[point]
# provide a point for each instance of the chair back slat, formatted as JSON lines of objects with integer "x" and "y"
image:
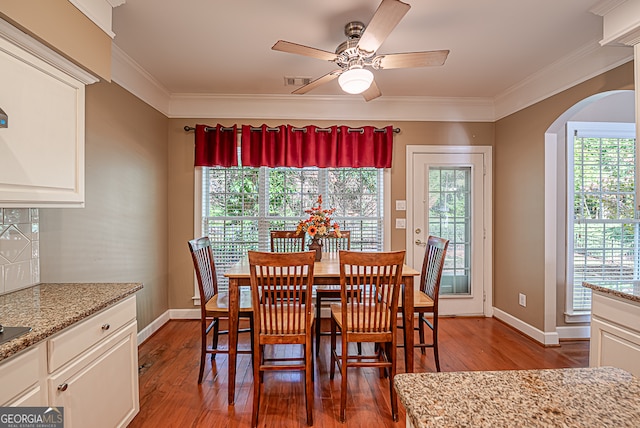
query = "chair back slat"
{"x": 205, "y": 268}
{"x": 281, "y": 291}
{"x": 370, "y": 286}
{"x": 432, "y": 267}
{"x": 333, "y": 244}
{"x": 285, "y": 241}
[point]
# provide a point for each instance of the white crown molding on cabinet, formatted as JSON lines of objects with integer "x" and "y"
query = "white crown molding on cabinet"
{"x": 99, "y": 11}
{"x": 29, "y": 44}
{"x": 621, "y": 21}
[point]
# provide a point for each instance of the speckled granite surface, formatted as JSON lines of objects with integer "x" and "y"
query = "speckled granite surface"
{"x": 584, "y": 397}
{"x": 49, "y": 308}
{"x": 629, "y": 290}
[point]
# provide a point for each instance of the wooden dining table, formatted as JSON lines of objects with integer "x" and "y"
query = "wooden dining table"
{"x": 325, "y": 273}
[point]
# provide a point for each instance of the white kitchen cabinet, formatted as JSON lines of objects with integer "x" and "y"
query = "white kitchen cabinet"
{"x": 94, "y": 369}
{"x": 90, "y": 369}
{"x": 23, "y": 379}
{"x": 42, "y": 149}
{"x": 100, "y": 389}
{"x": 615, "y": 333}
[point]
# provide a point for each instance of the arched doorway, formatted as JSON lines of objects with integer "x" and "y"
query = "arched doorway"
{"x": 613, "y": 106}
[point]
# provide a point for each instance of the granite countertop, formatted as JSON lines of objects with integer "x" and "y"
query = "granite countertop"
{"x": 49, "y": 308}
{"x": 628, "y": 290}
{"x": 582, "y": 397}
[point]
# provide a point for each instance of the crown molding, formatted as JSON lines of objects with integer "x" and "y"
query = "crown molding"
{"x": 135, "y": 79}
{"x": 39, "y": 50}
{"x": 99, "y": 11}
{"x": 587, "y": 62}
{"x": 605, "y": 6}
{"x": 331, "y": 107}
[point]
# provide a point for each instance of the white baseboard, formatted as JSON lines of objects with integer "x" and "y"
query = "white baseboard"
{"x": 153, "y": 326}
{"x": 545, "y": 338}
{"x": 171, "y": 314}
{"x": 185, "y": 314}
{"x": 574, "y": 332}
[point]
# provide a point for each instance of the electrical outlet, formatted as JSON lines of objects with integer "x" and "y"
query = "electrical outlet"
{"x": 522, "y": 300}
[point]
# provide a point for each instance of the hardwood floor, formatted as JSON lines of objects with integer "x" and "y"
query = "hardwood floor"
{"x": 171, "y": 397}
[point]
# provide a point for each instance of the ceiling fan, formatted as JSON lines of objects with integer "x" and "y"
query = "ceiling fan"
{"x": 358, "y": 53}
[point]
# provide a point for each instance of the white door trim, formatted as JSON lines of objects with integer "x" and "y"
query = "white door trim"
{"x": 487, "y": 153}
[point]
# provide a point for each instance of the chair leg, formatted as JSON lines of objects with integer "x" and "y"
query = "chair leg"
{"x": 421, "y": 331}
{"x": 435, "y": 342}
{"x": 391, "y": 355}
{"x": 257, "y": 384}
{"x": 216, "y": 333}
{"x": 343, "y": 383}
{"x": 308, "y": 363}
{"x": 251, "y": 334}
{"x": 318, "y": 322}
{"x": 332, "y": 369}
{"x": 203, "y": 349}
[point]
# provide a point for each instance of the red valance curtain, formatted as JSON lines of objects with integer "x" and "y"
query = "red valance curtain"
{"x": 216, "y": 146}
{"x": 337, "y": 146}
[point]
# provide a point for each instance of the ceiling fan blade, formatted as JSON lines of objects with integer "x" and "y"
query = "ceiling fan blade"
{"x": 387, "y": 16}
{"x": 319, "y": 81}
{"x": 294, "y": 48}
{"x": 410, "y": 59}
{"x": 372, "y": 93}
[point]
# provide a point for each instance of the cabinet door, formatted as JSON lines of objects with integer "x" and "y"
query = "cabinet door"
{"x": 22, "y": 379}
{"x": 42, "y": 149}
{"x": 614, "y": 346}
{"x": 100, "y": 388}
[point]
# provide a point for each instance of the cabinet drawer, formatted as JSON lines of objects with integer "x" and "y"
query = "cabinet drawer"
{"x": 77, "y": 339}
{"x": 19, "y": 374}
{"x": 617, "y": 311}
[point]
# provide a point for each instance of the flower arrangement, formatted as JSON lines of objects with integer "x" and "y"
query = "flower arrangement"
{"x": 318, "y": 225}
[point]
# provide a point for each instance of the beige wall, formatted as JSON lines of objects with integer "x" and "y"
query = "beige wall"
{"x": 121, "y": 234}
{"x": 181, "y": 183}
{"x": 62, "y": 27}
{"x": 519, "y": 196}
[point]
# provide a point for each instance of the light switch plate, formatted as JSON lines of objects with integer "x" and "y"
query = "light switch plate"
{"x": 401, "y": 223}
{"x": 401, "y": 205}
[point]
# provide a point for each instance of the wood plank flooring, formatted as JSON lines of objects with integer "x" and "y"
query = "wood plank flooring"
{"x": 171, "y": 397}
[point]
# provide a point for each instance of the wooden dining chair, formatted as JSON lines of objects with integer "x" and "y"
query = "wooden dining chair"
{"x": 281, "y": 297}
{"x": 286, "y": 241}
{"x": 375, "y": 277}
{"x": 214, "y": 305}
{"x": 332, "y": 244}
{"x": 425, "y": 301}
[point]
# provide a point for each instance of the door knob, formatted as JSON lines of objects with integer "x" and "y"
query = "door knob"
{"x": 419, "y": 242}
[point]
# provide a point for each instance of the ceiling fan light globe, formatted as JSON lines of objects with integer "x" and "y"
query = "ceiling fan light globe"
{"x": 356, "y": 80}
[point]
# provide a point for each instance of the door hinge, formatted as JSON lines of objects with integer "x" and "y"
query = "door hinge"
{"x": 484, "y": 296}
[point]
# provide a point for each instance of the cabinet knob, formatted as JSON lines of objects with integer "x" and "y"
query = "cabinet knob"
{"x": 106, "y": 327}
{"x": 63, "y": 387}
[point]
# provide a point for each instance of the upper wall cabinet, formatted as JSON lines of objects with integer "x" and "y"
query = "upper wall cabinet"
{"x": 42, "y": 145}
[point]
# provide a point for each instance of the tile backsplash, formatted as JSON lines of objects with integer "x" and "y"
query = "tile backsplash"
{"x": 19, "y": 248}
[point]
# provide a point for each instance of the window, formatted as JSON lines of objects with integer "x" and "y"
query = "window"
{"x": 602, "y": 229}
{"x": 240, "y": 205}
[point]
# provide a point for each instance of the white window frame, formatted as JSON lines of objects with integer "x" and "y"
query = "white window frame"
{"x": 597, "y": 130}
{"x": 197, "y": 220}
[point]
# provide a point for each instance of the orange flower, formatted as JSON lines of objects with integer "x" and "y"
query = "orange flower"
{"x": 318, "y": 224}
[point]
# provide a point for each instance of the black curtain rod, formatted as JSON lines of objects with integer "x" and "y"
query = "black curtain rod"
{"x": 207, "y": 129}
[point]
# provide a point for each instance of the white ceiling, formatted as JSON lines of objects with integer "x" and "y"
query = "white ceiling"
{"x": 224, "y": 47}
